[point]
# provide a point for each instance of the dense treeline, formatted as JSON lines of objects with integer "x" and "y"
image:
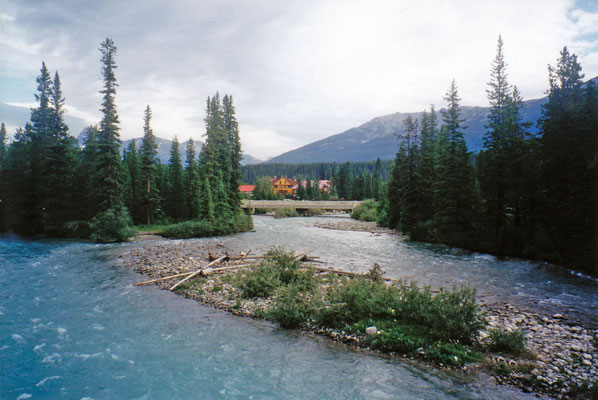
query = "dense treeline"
{"x": 531, "y": 195}
{"x": 250, "y": 173}
{"x": 348, "y": 181}
{"x": 50, "y": 185}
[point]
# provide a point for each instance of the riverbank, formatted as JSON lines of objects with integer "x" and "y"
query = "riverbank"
{"x": 561, "y": 356}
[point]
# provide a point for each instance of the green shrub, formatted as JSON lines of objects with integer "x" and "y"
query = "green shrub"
{"x": 352, "y": 300}
{"x": 279, "y": 268}
{"x": 286, "y": 212}
{"x": 292, "y": 308}
{"x": 202, "y": 228}
{"x": 314, "y": 212}
{"x": 259, "y": 282}
{"x": 507, "y": 342}
{"x": 112, "y": 225}
{"x": 76, "y": 229}
{"x": 366, "y": 211}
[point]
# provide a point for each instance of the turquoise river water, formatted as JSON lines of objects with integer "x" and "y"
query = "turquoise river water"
{"x": 72, "y": 326}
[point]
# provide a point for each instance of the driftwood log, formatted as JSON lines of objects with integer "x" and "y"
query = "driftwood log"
{"x": 197, "y": 272}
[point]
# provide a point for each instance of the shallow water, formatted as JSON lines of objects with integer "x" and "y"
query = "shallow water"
{"x": 532, "y": 285}
{"x": 72, "y": 326}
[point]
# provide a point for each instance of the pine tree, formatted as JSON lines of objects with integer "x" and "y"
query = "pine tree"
{"x": 175, "y": 182}
{"x": 58, "y": 165}
{"x": 85, "y": 176}
{"x": 109, "y": 176}
{"x": 3, "y": 178}
{"x": 232, "y": 129}
{"x": 150, "y": 203}
{"x": 191, "y": 182}
{"x": 410, "y": 188}
{"x": 428, "y": 138}
{"x": 206, "y": 204}
{"x": 134, "y": 181}
{"x": 569, "y": 139}
{"x": 454, "y": 195}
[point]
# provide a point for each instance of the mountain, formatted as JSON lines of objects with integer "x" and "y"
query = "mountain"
{"x": 249, "y": 160}
{"x": 17, "y": 116}
{"x": 378, "y": 137}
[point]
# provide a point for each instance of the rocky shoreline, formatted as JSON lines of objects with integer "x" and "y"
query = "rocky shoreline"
{"x": 562, "y": 357}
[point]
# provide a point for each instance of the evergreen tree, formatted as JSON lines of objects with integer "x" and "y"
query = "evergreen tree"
{"x": 134, "y": 182}
{"x": 569, "y": 142}
{"x": 232, "y": 129}
{"x": 109, "y": 176}
{"x": 428, "y": 138}
{"x": 191, "y": 182}
{"x": 149, "y": 159}
{"x": 409, "y": 200}
{"x": 301, "y": 189}
{"x": 503, "y": 160}
{"x": 206, "y": 204}
{"x": 85, "y": 176}
{"x": 453, "y": 185}
{"x": 58, "y": 166}
{"x": 3, "y": 178}
{"x": 175, "y": 182}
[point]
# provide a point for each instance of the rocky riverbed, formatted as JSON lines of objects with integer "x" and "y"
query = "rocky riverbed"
{"x": 561, "y": 358}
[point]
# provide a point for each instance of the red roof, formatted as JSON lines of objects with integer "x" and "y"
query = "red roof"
{"x": 246, "y": 188}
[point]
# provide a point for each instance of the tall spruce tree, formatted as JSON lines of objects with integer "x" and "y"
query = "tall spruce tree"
{"x": 191, "y": 182}
{"x": 428, "y": 138}
{"x": 175, "y": 182}
{"x": 503, "y": 161}
{"x": 3, "y": 178}
{"x": 236, "y": 155}
{"x": 58, "y": 165}
{"x": 454, "y": 195}
{"x": 134, "y": 183}
{"x": 150, "y": 203}
{"x": 569, "y": 142}
{"x": 109, "y": 177}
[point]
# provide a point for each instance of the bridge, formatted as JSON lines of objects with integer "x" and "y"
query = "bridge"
{"x": 303, "y": 205}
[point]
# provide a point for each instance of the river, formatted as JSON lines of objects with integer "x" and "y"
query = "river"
{"x": 72, "y": 325}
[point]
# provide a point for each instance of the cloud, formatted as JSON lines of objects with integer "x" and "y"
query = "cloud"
{"x": 299, "y": 71}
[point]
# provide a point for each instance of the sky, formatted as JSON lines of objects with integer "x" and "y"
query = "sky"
{"x": 298, "y": 70}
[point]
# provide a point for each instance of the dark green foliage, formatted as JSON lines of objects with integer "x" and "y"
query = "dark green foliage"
{"x": 278, "y": 269}
{"x": 109, "y": 175}
{"x": 287, "y": 212}
{"x": 448, "y": 315}
{"x": 251, "y": 173}
{"x": 150, "y": 195}
{"x": 112, "y": 225}
{"x": 569, "y": 141}
{"x": 507, "y": 342}
{"x": 454, "y": 195}
{"x": 353, "y": 300}
{"x": 191, "y": 183}
{"x": 263, "y": 190}
{"x": 175, "y": 182}
{"x": 134, "y": 186}
{"x": 366, "y": 211}
{"x": 292, "y": 308}
{"x": 503, "y": 163}
{"x": 204, "y": 228}
{"x": 3, "y": 177}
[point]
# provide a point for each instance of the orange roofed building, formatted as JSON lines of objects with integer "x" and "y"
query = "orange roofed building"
{"x": 282, "y": 185}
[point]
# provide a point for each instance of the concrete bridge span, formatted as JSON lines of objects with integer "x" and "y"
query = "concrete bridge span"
{"x": 331, "y": 205}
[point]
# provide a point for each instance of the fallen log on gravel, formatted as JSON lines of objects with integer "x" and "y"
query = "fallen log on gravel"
{"x": 197, "y": 272}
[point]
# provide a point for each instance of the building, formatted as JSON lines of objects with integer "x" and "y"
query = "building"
{"x": 246, "y": 190}
{"x": 283, "y": 186}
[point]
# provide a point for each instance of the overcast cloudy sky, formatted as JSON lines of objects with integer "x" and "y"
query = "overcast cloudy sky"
{"x": 298, "y": 71}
